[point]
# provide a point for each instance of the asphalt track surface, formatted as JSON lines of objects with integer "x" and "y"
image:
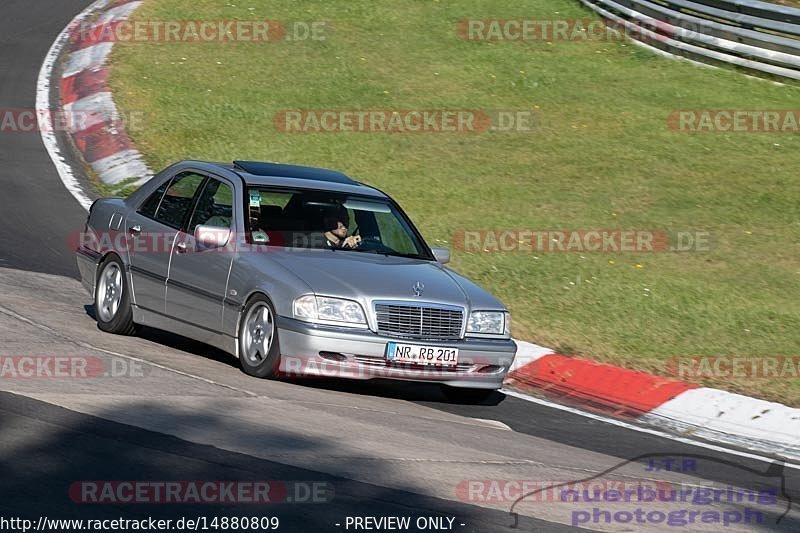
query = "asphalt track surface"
{"x": 52, "y": 435}
{"x": 88, "y": 446}
{"x": 37, "y": 211}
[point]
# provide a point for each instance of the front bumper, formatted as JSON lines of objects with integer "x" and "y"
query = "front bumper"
{"x": 329, "y": 351}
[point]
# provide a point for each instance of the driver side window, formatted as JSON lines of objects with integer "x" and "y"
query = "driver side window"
{"x": 214, "y": 206}
{"x": 150, "y": 206}
{"x": 177, "y": 201}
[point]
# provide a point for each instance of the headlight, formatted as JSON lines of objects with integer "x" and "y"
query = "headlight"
{"x": 489, "y": 323}
{"x": 329, "y": 310}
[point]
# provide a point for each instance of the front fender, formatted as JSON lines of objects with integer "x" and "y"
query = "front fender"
{"x": 253, "y": 273}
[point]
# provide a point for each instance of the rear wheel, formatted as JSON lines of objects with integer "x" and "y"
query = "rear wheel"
{"x": 112, "y": 298}
{"x": 259, "y": 351}
{"x": 466, "y": 395}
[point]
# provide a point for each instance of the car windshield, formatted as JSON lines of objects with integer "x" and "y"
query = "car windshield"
{"x": 331, "y": 220}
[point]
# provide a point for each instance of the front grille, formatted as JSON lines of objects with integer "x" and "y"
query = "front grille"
{"x": 419, "y": 321}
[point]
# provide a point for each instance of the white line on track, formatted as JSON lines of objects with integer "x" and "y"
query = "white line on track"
{"x": 44, "y": 111}
{"x": 82, "y": 344}
{"x": 650, "y": 431}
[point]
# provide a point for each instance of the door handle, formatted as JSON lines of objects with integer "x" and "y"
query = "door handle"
{"x": 181, "y": 247}
{"x": 135, "y": 230}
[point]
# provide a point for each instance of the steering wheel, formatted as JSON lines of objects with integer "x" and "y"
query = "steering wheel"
{"x": 372, "y": 244}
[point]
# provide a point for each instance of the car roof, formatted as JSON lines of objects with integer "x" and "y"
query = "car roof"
{"x": 259, "y": 168}
{"x": 296, "y": 176}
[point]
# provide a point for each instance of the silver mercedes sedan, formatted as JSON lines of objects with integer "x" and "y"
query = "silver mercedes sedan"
{"x": 296, "y": 271}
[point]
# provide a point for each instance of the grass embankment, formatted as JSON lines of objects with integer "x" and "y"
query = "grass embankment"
{"x": 600, "y": 157}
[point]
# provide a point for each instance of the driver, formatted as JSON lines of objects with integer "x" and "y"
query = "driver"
{"x": 336, "y": 230}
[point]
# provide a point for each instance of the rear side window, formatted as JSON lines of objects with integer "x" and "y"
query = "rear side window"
{"x": 178, "y": 199}
{"x": 267, "y": 210}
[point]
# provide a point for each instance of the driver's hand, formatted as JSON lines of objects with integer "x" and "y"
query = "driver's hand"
{"x": 352, "y": 241}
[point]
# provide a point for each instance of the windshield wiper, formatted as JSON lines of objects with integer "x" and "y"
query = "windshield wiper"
{"x": 390, "y": 254}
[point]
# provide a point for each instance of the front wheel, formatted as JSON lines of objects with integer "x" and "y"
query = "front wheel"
{"x": 112, "y": 298}
{"x": 259, "y": 351}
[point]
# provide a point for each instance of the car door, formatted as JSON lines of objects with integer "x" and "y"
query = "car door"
{"x": 198, "y": 275}
{"x": 151, "y": 233}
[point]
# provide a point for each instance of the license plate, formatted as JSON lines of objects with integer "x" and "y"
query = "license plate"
{"x": 421, "y": 355}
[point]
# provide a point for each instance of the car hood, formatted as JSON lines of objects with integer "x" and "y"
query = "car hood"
{"x": 367, "y": 277}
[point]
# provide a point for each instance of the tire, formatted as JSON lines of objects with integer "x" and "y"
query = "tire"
{"x": 257, "y": 345}
{"x": 112, "y": 298}
{"x": 465, "y": 395}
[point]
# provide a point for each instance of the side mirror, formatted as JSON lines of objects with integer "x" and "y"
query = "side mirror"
{"x": 441, "y": 254}
{"x": 206, "y": 237}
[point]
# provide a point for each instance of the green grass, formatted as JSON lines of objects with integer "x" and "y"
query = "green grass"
{"x": 788, "y": 3}
{"x": 600, "y": 156}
